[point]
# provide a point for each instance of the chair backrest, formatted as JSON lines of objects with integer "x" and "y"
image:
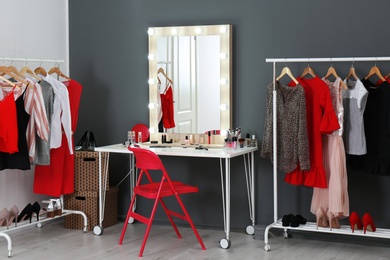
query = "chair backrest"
{"x": 146, "y": 159}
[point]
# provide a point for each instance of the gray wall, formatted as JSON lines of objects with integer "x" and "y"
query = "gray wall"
{"x": 108, "y": 55}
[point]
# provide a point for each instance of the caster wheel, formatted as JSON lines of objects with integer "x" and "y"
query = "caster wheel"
{"x": 97, "y": 230}
{"x": 250, "y": 230}
{"x": 224, "y": 243}
{"x": 131, "y": 220}
{"x": 39, "y": 224}
{"x": 267, "y": 248}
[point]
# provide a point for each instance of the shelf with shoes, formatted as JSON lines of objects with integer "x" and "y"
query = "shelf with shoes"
{"x": 33, "y": 214}
{"x": 343, "y": 230}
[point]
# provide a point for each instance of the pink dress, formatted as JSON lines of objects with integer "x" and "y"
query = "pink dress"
{"x": 335, "y": 198}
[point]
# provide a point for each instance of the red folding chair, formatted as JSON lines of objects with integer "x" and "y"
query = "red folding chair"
{"x": 147, "y": 160}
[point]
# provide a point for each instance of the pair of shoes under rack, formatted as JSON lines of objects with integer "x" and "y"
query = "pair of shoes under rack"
{"x": 12, "y": 215}
{"x": 54, "y": 208}
{"x": 293, "y": 220}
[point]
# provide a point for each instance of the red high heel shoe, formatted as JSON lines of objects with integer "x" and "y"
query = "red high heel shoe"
{"x": 355, "y": 221}
{"x": 368, "y": 223}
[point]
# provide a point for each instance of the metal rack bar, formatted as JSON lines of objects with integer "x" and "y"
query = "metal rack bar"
{"x": 31, "y": 60}
{"x": 309, "y": 226}
{"x": 337, "y": 59}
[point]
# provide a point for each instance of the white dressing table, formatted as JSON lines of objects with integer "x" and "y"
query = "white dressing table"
{"x": 224, "y": 156}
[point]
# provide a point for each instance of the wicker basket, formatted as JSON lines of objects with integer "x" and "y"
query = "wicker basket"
{"x": 86, "y": 174}
{"x": 88, "y": 202}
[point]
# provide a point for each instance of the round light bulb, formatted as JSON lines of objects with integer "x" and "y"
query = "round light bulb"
{"x": 223, "y": 29}
{"x": 151, "y": 81}
{"x": 223, "y": 81}
{"x": 150, "y": 31}
{"x": 223, "y": 55}
{"x": 223, "y": 107}
{"x": 174, "y": 31}
{"x": 151, "y": 56}
{"x": 198, "y": 30}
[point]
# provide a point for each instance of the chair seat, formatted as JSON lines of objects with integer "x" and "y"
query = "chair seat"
{"x": 150, "y": 190}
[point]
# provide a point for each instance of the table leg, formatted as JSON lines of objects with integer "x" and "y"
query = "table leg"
{"x": 249, "y": 174}
{"x": 98, "y": 230}
{"x": 225, "y": 242}
{"x": 133, "y": 179}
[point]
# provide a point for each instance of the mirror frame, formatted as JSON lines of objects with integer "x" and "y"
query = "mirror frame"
{"x": 225, "y": 33}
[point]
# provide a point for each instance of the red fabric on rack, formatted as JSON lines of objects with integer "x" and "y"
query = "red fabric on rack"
{"x": 58, "y": 177}
{"x": 321, "y": 119}
{"x": 8, "y": 124}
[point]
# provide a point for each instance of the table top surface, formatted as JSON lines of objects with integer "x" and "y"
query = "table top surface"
{"x": 185, "y": 151}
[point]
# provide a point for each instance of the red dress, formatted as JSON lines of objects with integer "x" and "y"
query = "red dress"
{"x": 168, "y": 116}
{"x": 321, "y": 119}
{"x": 8, "y": 124}
{"x": 58, "y": 177}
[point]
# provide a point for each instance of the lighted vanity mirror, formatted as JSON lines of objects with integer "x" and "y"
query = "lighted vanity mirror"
{"x": 198, "y": 61}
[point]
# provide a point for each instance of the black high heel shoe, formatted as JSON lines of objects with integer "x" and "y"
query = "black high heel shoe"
{"x": 36, "y": 208}
{"x": 82, "y": 145}
{"x": 25, "y": 214}
{"x": 91, "y": 142}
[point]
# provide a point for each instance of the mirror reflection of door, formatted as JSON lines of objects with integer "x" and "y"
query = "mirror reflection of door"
{"x": 193, "y": 63}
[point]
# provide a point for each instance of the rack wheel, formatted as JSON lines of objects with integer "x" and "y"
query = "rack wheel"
{"x": 39, "y": 224}
{"x": 250, "y": 230}
{"x": 131, "y": 220}
{"x": 267, "y": 247}
{"x": 98, "y": 230}
{"x": 224, "y": 243}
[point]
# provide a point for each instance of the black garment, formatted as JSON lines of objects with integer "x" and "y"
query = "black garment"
{"x": 19, "y": 160}
{"x": 377, "y": 128}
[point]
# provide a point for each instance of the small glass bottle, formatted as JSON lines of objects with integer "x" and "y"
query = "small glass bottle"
{"x": 139, "y": 137}
{"x": 129, "y": 137}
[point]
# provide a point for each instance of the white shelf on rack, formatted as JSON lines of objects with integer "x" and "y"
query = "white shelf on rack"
{"x": 343, "y": 230}
{"x": 25, "y": 223}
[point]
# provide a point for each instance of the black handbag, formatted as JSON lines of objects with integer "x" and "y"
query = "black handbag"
{"x": 86, "y": 143}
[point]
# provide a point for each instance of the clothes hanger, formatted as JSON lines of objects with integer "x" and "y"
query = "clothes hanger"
{"x": 10, "y": 72}
{"x": 161, "y": 70}
{"x": 375, "y": 70}
{"x": 40, "y": 70}
{"x": 286, "y": 71}
{"x": 332, "y": 71}
{"x": 7, "y": 81}
{"x": 27, "y": 70}
{"x": 308, "y": 70}
{"x": 352, "y": 73}
{"x": 57, "y": 70}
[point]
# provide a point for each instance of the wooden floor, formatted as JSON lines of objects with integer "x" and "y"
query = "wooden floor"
{"x": 53, "y": 242}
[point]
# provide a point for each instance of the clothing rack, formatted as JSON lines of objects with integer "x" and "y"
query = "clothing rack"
{"x": 312, "y": 227}
{"x": 3, "y": 233}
